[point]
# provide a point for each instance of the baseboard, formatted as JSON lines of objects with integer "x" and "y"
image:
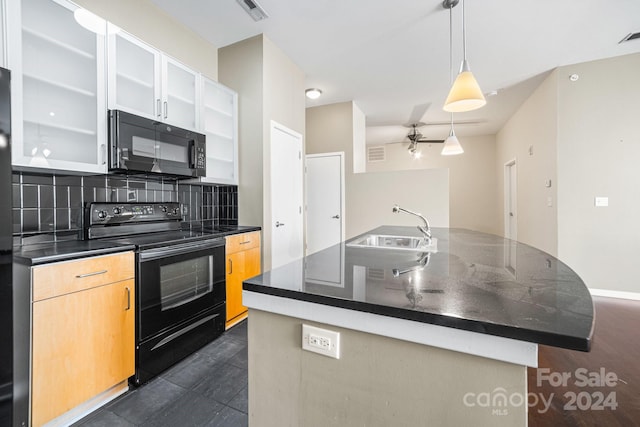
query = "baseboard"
{"x": 615, "y": 294}
{"x": 233, "y": 322}
{"x": 89, "y": 406}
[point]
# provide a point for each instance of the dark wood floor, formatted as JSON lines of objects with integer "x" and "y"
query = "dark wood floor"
{"x": 616, "y": 351}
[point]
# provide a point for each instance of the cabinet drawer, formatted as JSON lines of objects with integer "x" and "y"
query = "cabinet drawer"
{"x": 61, "y": 278}
{"x": 242, "y": 242}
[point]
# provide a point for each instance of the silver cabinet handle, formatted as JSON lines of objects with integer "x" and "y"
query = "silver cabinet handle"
{"x": 166, "y": 109}
{"x": 230, "y": 266}
{"x": 128, "y": 298}
{"x": 336, "y": 217}
{"x": 279, "y": 224}
{"x": 158, "y": 110}
{"x": 103, "y": 153}
{"x": 248, "y": 241}
{"x": 95, "y": 273}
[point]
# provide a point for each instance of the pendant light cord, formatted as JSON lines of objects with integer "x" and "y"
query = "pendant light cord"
{"x": 451, "y": 53}
{"x": 464, "y": 35}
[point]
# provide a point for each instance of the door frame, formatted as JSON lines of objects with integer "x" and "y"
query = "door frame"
{"x": 508, "y": 185}
{"x": 340, "y": 154}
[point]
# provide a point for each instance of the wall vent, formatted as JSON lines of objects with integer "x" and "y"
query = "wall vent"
{"x": 375, "y": 273}
{"x": 629, "y": 37}
{"x": 376, "y": 154}
{"x": 253, "y": 9}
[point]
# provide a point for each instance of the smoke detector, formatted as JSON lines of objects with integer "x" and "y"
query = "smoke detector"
{"x": 253, "y": 9}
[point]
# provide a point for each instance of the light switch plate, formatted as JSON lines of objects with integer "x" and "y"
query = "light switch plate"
{"x": 601, "y": 202}
{"x": 321, "y": 341}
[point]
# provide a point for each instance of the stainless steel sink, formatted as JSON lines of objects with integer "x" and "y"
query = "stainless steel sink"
{"x": 405, "y": 243}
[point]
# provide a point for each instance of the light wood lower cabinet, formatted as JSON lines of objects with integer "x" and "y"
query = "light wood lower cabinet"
{"x": 83, "y": 332}
{"x": 243, "y": 262}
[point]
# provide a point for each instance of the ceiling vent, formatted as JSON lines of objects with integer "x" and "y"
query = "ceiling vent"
{"x": 629, "y": 37}
{"x": 253, "y": 9}
{"x": 376, "y": 154}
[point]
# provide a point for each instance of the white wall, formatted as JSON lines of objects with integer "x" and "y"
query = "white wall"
{"x": 533, "y": 126}
{"x": 152, "y": 25}
{"x": 598, "y": 155}
{"x": 472, "y": 179}
{"x": 270, "y": 87}
{"x": 369, "y": 197}
{"x": 586, "y": 139}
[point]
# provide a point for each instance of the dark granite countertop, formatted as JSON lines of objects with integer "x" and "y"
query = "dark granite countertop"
{"x": 475, "y": 281}
{"x": 42, "y": 253}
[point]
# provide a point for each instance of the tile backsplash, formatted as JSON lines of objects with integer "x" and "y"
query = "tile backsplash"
{"x": 50, "y": 207}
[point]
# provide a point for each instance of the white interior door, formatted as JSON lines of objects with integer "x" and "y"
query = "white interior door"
{"x": 325, "y": 200}
{"x": 325, "y": 219}
{"x": 510, "y": 201}
{"x": 286, "y": 195}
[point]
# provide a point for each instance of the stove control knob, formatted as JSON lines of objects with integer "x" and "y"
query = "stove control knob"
{"x": 116, "y": 210}
{"x": 102, "y": 214}
{"x": 164, "y": 209}
{"x": 176, "y": 211}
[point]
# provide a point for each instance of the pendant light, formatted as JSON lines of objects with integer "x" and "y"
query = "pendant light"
{"x": 465, "y": 94}
{"x": 451, "y": 144}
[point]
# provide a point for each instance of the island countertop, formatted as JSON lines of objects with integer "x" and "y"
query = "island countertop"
{"x": 475, "y": 282}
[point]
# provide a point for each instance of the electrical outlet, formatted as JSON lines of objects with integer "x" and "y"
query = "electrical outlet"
{"x": 321, "y": 341}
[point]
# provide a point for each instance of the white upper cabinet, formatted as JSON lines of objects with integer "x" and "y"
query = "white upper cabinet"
{"x": 220, "y": 125}
{"x": 58, "y": 114}
{"x": 3, "y": 34}
{"x": 145, "y": 82}
{"x": 134, "y": 75}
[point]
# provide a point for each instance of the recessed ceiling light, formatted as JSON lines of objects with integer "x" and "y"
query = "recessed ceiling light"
{"x": 313, "y": 93}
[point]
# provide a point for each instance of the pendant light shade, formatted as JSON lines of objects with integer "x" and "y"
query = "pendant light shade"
{"x": 465, "y": 94}
{"x": 451, "y": 145}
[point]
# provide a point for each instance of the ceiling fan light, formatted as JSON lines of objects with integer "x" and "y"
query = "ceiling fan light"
{"x": 451, "y": 146}
{"x": 465, "y": 94}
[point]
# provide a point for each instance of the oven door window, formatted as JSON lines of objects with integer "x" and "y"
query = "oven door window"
{"x": 185, "y": 281}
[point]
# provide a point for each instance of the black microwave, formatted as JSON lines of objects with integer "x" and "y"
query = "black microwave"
{"x": 141, "y": 145}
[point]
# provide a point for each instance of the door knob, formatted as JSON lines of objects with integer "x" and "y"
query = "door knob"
{"x": 279, "y": 224}
{"x": 336, "y": 217}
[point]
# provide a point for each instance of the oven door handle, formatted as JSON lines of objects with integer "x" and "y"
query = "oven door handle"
{"x": 173, "y": 250}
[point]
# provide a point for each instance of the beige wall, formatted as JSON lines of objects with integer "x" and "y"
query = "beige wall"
{"x": 270, "y": 87}
{"x": 586, "y": 138}
{"x": 533, "y": 127}
{"x": 598, "y": 155}
{"x": 369, "y": 197}
{"x": 472, "y": 179}
{"x": 241, "y": 68}
{"x": 153, "y": 26}
{"x": 377, "y": 381}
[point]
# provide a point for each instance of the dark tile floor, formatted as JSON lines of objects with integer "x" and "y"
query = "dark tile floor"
{"x": 209, "y": 388}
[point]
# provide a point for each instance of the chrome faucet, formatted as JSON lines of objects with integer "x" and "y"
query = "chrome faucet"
{"x": 425, "y": 229}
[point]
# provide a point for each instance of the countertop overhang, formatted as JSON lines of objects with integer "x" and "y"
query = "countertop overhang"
{"x": 475, "y": 282}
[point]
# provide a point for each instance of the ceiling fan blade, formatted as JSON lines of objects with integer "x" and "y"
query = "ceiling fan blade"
{"x": 456, "y": 123}
{"x": 417, "y": 113}
{"x": 430, "y": 141}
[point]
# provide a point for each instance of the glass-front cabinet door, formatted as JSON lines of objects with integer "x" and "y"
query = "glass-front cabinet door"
{"x": 220, "y": 125}
{"x": 145, "y": 82}
{"x": 3, "y": 34}
{"x": 59, "y": 77}
{"x": 180, "y": 94}
{"x": 134, "y": 75}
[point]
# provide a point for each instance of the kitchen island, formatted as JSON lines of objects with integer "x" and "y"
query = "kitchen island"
{"x": 426, "y": 338}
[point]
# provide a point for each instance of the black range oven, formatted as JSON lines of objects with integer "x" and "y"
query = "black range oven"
{"x": 180, "y": 280}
